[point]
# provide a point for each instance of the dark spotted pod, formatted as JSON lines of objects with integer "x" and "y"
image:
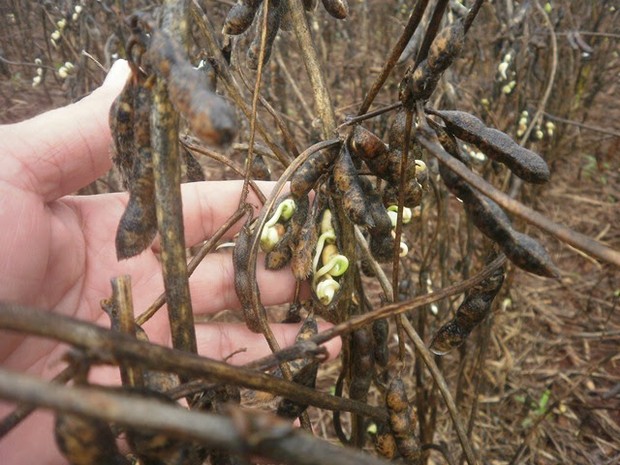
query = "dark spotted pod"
{"x": 474, "y": 309}
{"x": 260, "y": 169}
{"x": 309, "y": 5}
{"x": 492, "y": 221}
{"x": 121, "y": 120}
{"x": 446, "y": 46}
{"x": 402, "y": 421}
{"x": 86, "y": 441}
{"x": 385, "y": 444}
{"x": 305, "y": 178}
{"x": 418, "y": 85}
{"x": 243, "y": 284}
{"x": 304, "y": 371}
{"x": 412, "y": 195}
{"x": 282, "y": 252}
{"x": 138, "y": 224}
{"x": 303, "y": 247}
{"x": 380, "y": 334}
{"x": 209, "y": 115}
{"x": 362, "y": 363}
{"x": 526, "y": 164}
{"x": 240, "y": 17}
{"x": 274, "y": 17}
{"x": 339, "y": 9}
{"x": 346, "y": 181}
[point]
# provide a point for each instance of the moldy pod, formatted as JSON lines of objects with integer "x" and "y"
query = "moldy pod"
{"x": 209, "y": 115}
{"x": 474, "y": 309}
{"x": 524, "y": 163}
{"x": 402, "y": 421}
{"x": 306, "y": 177}
{"x": 121, "y": 120}
{"x": 346, "y": 181}
{"x": 274, "y": 15}
{"x": 86, "y": 441}
{"x": 446, "y": 46}
{"x": 138, "y": 224}
{"x": 240, "y": 17}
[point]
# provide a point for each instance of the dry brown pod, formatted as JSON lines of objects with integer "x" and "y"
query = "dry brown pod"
{"x": 240, "y": 17}
{"x": 243, "y": 284}
{"x": 305, "y": 178}
{"x": 362, "y": 363}
{"x": 385, "y": 444}
{"x": 526, "y": 164}
{"x": 209, "y": 116}
{"x": 474, "y": 309}
{"x": 492, "y": 221}
{"x": 446, "y": 46}
{"x": 365, "y": 145}
{"x": 86, "y": 441}
{"x": 402, "y": 421}
{"x": 339, "y": 9}
{"x": 274, "y": 16}
{"x": 193, "y": 169}
{"x": 304, "y": 244}
{"x": 121, "y": 120}
{"x": 380, "y": 334}
{"x": 346, "y": 181}
{"x": 138, "y": 224}
{"x": 304, "y": 371}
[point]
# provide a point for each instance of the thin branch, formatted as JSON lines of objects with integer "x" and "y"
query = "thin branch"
{"x": 412, "y": 25}
{"x": 322, "y": 99}
{"x": 193, "y": 264}
{"x": 109, "y": 347}
{"x": 253, "y": 433}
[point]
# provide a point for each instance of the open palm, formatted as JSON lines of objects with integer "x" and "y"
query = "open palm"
{"x": 58, "y": 250}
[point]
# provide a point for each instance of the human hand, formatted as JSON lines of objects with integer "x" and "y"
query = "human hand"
{"x": 58, "y": 252}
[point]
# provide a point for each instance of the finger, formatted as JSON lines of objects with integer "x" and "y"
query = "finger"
{"x": 238, "y": 345}
{"x": 62, "y": 150}
{"x": 208, "y": 205}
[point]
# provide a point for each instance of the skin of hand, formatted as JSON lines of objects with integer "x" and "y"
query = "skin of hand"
{"x": 58, "y": 253}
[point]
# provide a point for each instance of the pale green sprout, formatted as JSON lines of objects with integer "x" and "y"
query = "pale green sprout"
{"x": 327, "y": 289}
{"x": 270, "y": 234}
{"x": 337, "y": 265}
{"x": 329, "y": 237}
{"x": 393, "y": 214}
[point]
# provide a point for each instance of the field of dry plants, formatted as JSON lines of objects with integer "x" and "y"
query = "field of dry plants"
{"x": 454, "y": 176}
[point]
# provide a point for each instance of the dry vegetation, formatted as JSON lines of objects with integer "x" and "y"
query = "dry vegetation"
{"x": 539, "y": 380}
